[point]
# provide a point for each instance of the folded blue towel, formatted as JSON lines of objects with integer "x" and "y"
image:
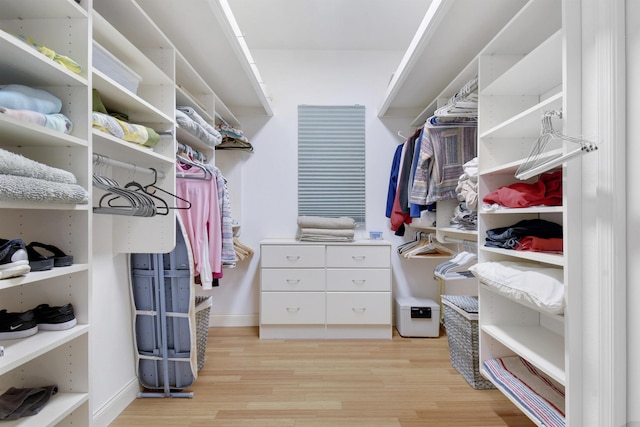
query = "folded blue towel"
{"x": 20, "y": 97}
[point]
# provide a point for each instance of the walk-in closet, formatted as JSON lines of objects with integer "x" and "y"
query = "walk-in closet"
{"x": 319, "y": 213}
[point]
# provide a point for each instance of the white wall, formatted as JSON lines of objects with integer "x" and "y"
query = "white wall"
{"x": 269, "y": 175}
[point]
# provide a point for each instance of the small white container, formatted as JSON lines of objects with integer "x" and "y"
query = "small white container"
{"x": 417, "y": 317}
{"x": 109, "y": 64}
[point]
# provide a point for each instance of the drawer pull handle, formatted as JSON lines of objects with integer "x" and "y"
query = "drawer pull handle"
{"x": 293, "y": 309}
{"x": 359, "y": 310}
{"x": 358, "y": 281}
{"x": 293, "y": 281}
{"x": 358, "y": 257}
{"x": 293, "y": 257}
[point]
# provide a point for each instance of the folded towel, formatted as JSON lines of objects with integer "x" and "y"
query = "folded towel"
{"x": 15, "y": 164}
{"x": 326, "y": 222}
{"x": 200, "y": 121}
{"x": 56, "y": 121}
{"x": 39, "y": 190}
{"x": 337, "y": 232}
{"x": 20, "y": 97}
{"x": 130, "y": 132}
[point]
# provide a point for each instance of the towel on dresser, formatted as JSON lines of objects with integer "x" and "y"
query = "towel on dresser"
{"x": 326, "y": 222}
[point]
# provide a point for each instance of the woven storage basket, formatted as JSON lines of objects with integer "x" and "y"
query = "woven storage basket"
{"x": 461, "y": 324}
{"x": 203, "y": 308}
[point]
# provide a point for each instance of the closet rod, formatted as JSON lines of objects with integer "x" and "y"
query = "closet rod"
{"x": 100, "y": 159}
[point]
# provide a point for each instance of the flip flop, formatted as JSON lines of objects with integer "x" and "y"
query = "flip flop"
{"x": 60, "y": 259}
{"x": 37, "y": 261}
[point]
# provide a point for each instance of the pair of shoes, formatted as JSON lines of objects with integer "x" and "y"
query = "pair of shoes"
{"x": 43, "y": 317}
{"x": 14, "y": 260}
{"x": 57, "y": 258}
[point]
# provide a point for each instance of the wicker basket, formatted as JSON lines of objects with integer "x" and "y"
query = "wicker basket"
{"x": 461, "y": 324}
{"x": 203, "y": 308}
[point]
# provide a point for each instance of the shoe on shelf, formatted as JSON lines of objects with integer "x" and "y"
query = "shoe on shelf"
{"x": 14, "y": 260}
{"x": 60, "y": 259}
{"x": 17, "y": 325}
{"x": 37, "y": 261}
{"x": 54, "y": 318}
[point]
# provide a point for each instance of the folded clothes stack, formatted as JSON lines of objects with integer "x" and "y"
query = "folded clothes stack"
{"x": 326, "y": 229}
{"x": 27, "y": 180}
{"x": 33, "y": 105}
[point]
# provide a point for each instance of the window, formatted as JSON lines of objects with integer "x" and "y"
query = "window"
{"x": 331, "y": 161}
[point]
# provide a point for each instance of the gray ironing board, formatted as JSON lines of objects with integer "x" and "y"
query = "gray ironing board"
{"x": 163, "y": 297}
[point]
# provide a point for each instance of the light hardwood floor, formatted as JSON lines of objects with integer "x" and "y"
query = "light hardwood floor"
{"x": 402, "y": 382}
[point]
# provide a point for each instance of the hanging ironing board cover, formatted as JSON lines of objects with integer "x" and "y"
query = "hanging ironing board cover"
{"x": 164, "y": 326}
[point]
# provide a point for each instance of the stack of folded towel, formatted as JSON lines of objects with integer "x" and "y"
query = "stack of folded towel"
{"x": 33, "y": 105}
{"x": 25, "y": 179}
{"x": 323, "y": 229}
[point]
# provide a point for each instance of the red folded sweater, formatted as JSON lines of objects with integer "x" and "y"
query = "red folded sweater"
{"x": 546, "y": 191}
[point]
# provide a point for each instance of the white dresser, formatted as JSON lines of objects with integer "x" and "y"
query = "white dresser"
{"x": 325, "y": 290}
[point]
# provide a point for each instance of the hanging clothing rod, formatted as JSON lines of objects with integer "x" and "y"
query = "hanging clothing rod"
{"x": 100, "y": 159}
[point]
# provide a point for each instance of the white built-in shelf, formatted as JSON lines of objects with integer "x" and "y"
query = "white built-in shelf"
{"x": 547, "y": 258}
{"x": 19, "y": 351}
{"x": 17, "y": 133}
{"x": 527, "y": 122}
{"x": 37, "y": 276}
{"x": 538, "y": 345}
{"x": 31, "y": 68}
{"x": 136, "y": 154}
{"x": 36, "y": 9}
{"x": 515, "y": 80}
{"x": 55, "y": 411}
{"x": 454, "y": 32}
{"x": 529, "y": 210}
{"x": 127, "y": 32}
{"x": 118, "y": 98}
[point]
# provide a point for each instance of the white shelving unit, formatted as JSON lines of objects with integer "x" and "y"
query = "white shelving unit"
{"x": 49, "y": 357}
{"x": 525, "y": 68}
{"x": 523, "y": 73}
{"x": 152, "y": 57}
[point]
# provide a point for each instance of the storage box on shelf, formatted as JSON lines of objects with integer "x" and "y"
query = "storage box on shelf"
{"x": 49, "y": 357}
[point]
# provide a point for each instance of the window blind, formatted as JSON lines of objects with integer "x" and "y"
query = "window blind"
{"x": 331, "y": 161}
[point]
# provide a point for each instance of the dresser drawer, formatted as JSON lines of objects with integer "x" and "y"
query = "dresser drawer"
{"x": 292, "y": 256}
{"x": 354, "y": 256}
{"x": 293, "y": 279}
{"x": 358, "y": 308}
{"x": 358, "y": 279}
{"x": 292, "y": 308}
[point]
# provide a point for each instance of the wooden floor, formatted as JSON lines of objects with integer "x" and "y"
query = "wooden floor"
{"x": 250, "y": 382}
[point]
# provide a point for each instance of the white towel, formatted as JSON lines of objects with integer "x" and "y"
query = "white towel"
{"x": 326, "y": 222}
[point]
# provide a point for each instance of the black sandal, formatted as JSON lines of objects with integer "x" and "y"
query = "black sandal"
{"x": 60, "y": 259}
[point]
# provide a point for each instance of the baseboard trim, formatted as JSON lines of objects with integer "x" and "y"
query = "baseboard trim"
{"x": 114, "y": 407}
{"x": 231, "y": 320}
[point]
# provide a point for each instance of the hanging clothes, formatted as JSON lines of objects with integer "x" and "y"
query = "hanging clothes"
{"x": 202, "y": 223}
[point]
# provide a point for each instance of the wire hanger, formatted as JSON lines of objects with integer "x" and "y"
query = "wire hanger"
{"x": 206, "y": 173}
{"x": 152, "y": 188}
{"x": 540, "y": 160}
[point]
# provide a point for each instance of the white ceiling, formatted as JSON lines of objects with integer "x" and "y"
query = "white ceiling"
{"x": 329, "y": 24}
